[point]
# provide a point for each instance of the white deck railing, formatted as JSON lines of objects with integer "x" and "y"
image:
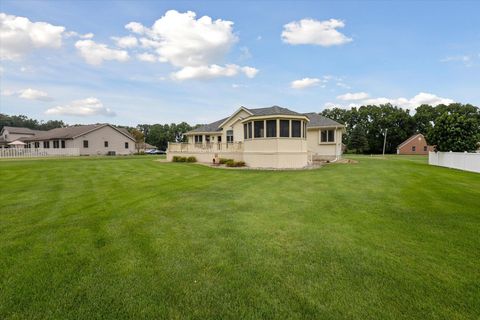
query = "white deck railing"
{"x": 205, "y": 147}
{"x": 36, "y": 153}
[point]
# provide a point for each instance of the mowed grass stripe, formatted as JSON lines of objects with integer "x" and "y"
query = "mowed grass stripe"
{"x": 122, "y": 238}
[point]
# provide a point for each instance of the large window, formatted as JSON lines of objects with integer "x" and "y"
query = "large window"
{"x": 284, "y": 128}
{"x": 56, "y": 144}
{"x": 271, "y": 128}
{"x": 327, "y": 136}
{"x": 126, "y": 145}
{"x": 198, "y": 139}
{"x": 63, "y": 144}
{"x": 245, "y": 131}
{"x": 414, "y": 148}
{"x": 296, "y": 128}
{"x": 105, "y": 143}
{"x": 229, "y": 136}
{"x": 85, "y": 143}
{"x": 46, "y": 144}
{"x": 258, "y": 129}
{"x": 207, "y": 139}
{"x": 37, "y": 145}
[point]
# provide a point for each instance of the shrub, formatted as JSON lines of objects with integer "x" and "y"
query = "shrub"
{"x": 183, "y": 159}
{"x": 229, "y": 162}
{"x": 178, "y": 159}
{"x": 223, "y": 160}
{"x": 232, "y": 163}
{"x": 240, "y": 164}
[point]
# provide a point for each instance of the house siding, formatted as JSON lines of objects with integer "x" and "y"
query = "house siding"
{"x": 324, "y": 151}
{"x": 415, "y": 145}
{"x": 96, "y": 140}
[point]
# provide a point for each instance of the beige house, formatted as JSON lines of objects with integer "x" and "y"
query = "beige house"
{"x": 272, "y": 137}
{"x": 95, "y": 139}
{"x": 9, "y": 135}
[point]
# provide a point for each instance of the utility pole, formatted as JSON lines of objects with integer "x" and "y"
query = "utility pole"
{"x": 384, "y": 141}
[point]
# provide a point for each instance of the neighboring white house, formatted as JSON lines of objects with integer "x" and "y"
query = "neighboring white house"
{"x": 272, "y": 137}
{"x": 95, "y": 139}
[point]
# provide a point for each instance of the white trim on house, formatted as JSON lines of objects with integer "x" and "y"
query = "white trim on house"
{"x": 234, "y": 114}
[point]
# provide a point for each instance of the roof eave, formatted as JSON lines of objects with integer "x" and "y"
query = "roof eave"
{"x": 277, "y": 116}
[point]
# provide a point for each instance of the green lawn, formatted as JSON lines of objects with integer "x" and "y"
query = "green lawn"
{"x": 133, "y": 238}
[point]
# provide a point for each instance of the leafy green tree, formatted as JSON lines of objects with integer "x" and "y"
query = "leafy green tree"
{"x": 455, "y": 132}
{"x": 358, "y": 140}
{"x": 24, "y": 121}
{"x": 424, "y": 118}
{"x": 139, "y": 139}
{"x": 161, "y": 134}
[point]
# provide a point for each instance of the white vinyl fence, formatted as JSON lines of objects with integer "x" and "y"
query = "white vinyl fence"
{"x": 35, "y": 153}
{"x": 457, "y": 160}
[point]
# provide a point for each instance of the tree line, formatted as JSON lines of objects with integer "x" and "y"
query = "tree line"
{"x": 453, "y": 127}
{"x": 155, "y": 134}
{"x": 26, "y": 122}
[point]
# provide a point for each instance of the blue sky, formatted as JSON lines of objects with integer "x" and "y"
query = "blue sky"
{"x": 67, "y": 60}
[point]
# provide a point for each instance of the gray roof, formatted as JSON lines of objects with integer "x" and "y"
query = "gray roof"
{"x": 317, "y": 120}
{"x": 211, "y": 127}
{"x": 71, "y": 132}
{"x": 20, "y": 130}
{"x": 215, "y": 126}
{"x": 273, "y": 111}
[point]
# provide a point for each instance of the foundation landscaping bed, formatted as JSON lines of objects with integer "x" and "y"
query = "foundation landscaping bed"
{"x": 134, "y": 238}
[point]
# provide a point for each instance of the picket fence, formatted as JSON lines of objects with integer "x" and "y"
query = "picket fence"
{"x": 38, "y": 153}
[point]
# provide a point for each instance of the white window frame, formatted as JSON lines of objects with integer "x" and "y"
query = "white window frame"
{"x": 327, "y": 130}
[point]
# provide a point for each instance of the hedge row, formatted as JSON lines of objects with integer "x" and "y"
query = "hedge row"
{"x": 183, "y": 159}
{"x": 231, "y": 162}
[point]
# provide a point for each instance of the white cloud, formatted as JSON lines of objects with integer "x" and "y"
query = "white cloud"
{"x": 330, "y": 105}
{"x": 197, "y": 46}
{"x": 29, "y": 94}
{"x": 136, "y": 27}
{"x": 19, "y": 36}
{"x": 147, "y": 57}
{"x": 183, "y": 40}
{"x": 70, "y": 34}
{"x": 32, "y": 94}
{"x": 304, "y": 83}
{"x": 95, "y": 53}
{"x": 343, "y": 85}
{"x": 412, "y": 103}
{"x": 126, "y": 42}
{"x": 429, "y": 98}
{"x": 309, "y": 31}
{"x": 212, "y": 71}
{"x": 353, "y": 96}
{"x": 250, "y": 72}
{"x": 85, "y": 107}
{"x": 467, "y": 60}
